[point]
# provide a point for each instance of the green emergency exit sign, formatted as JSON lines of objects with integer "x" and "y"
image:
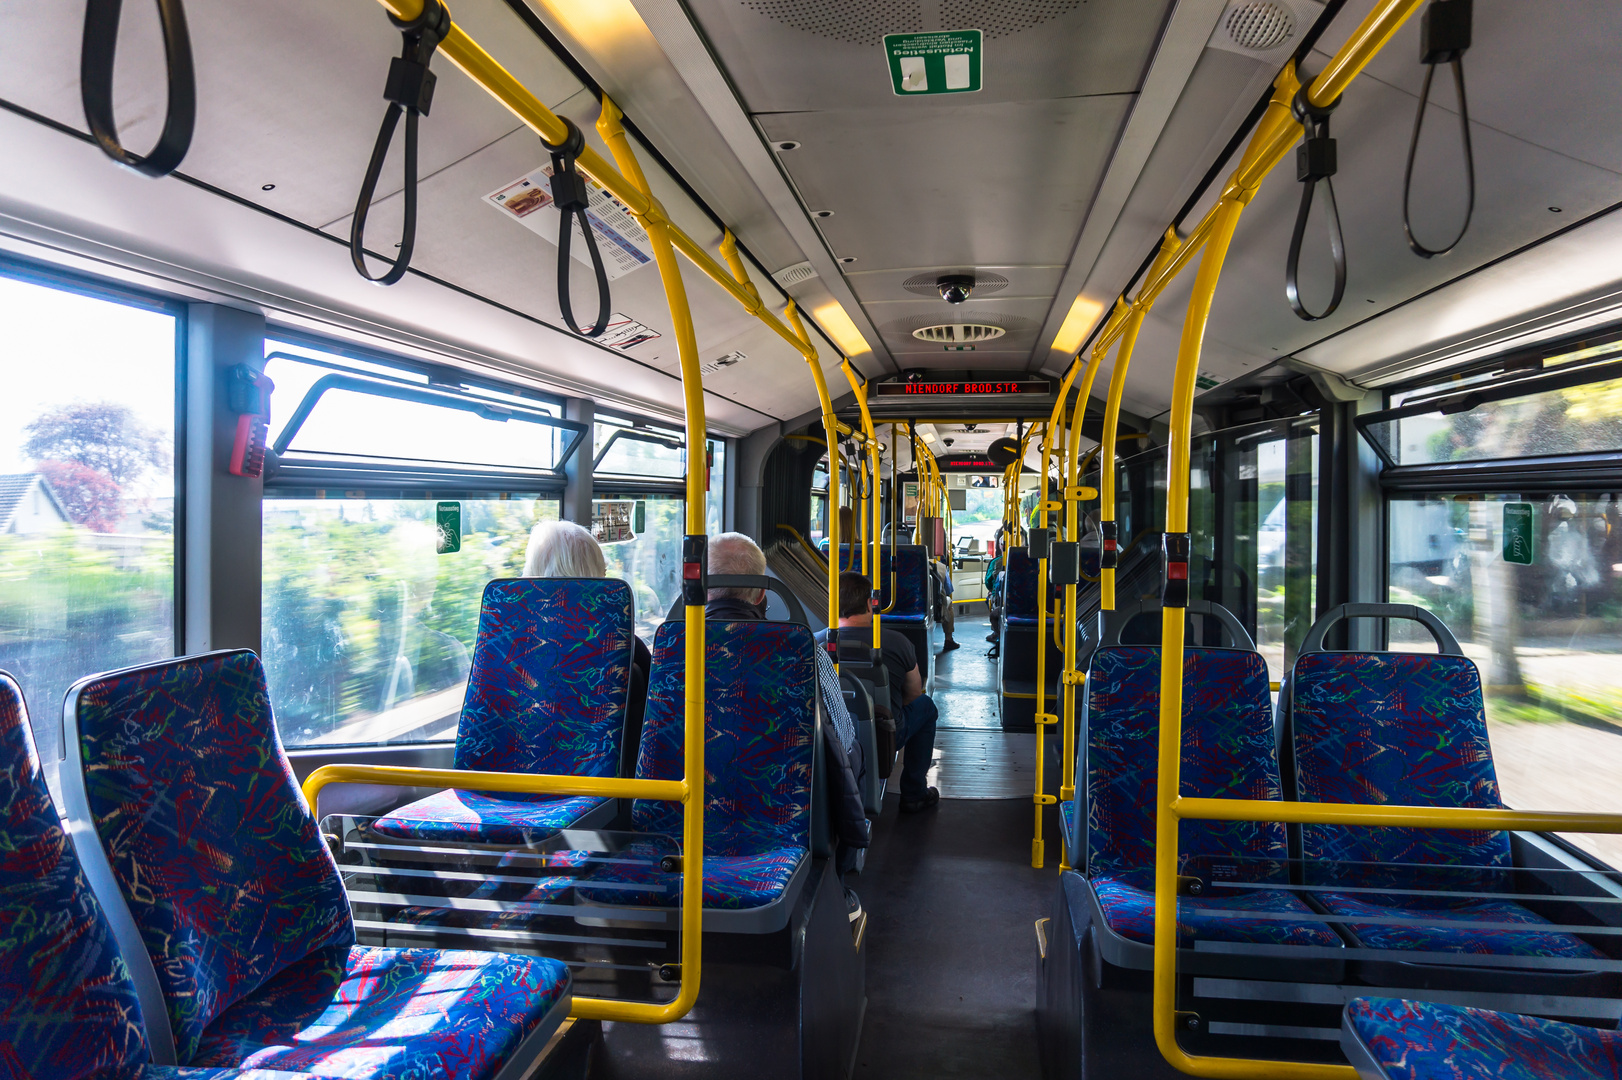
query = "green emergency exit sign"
{"x": 1518, "y": 533}
{"x": 946, "y": 62}
{"x": 448, "y": 523}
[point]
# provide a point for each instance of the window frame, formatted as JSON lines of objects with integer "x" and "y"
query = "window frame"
{"x": 61, "y": 279}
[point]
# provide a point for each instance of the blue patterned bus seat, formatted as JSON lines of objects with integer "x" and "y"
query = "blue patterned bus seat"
{"x": 1407, "y": 729}
{"x": 1418, "y": 1040}
{"x": 240, "y": 905}
{"x": 1228, "y": 752}
{"x": 547, "y": 693}
{"x": 761, "y": 720}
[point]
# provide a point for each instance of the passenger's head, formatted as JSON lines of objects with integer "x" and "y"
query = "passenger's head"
{"x": 734, "y": 554}
{"x": 855, "y": 591}
{"x": 847, "y": 525}
{"x": 562, "y": 549}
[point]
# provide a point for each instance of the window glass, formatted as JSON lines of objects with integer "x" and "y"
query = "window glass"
{"x": 87, "y": 486}
{"x": 651, "y": 562}
{"x": 367, "y": 629}
{"x": 654, "y": 453}
{"x": 1571, "y": 420}
{"x": 351, "y": 423}
{"x": 982, "y": 500}
{"x": 1546, "y": 635}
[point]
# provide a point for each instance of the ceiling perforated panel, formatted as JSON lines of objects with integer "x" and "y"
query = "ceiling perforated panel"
{"x": 929, "y": 284}
{"x": 860, "y": 22}
{"x": 999, "y": 18}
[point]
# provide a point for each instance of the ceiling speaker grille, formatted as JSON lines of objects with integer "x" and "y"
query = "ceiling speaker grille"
{"x": 1259, "y": 25}
{"x": 958, "y": 333}
{"x": 999, "y": 18}
{"x": 793, "y": 275}
{"x": 928, "y": 284}
{"x": 860, "y": 22}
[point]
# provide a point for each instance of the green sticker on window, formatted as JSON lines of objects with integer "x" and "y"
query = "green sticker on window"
{"x": 946, "y": 62}
{"x": 448, "y": 519}
{"x": 1518, "y": 533}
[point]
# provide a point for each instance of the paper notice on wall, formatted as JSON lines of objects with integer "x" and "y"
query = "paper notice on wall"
{"x": 624, "y": 332}
{"x": 622, "y": 242}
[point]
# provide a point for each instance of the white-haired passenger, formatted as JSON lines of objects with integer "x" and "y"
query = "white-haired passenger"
{"x": 562, "y": 549}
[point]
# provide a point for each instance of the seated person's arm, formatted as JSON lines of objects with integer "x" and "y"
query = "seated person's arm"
{"x": 913, "y": 687}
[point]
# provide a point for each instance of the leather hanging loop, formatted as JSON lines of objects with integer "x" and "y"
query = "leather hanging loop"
{"x": 1444, "y": 36}
{"x": 409, "y": 91}
{"x": 572, "y": 196}
{"x": 1315, "y": 160}
{"x": 97, "y": 57}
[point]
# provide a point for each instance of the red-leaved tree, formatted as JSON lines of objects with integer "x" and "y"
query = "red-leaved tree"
{"x": 90, "y": 498}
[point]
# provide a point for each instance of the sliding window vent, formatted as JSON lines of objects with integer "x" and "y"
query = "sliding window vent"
{"x": 958, "y": 333}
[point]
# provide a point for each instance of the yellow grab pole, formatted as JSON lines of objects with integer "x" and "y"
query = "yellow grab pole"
{"x": 1273, "y": 137}
{"x": 859, "y": 388}
{"x": 692, "y": 382}
{"x": 831, "y": 426}
{"x": 1169, "y": 246}
{"x": 1042, "y": 717}
{"x": 1072, "y": 500}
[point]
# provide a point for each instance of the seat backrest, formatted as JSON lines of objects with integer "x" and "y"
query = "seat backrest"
{"x": 551, "y": 677}
{"x": 182, "y": 778}
{"x": 1400, "y": 728}
{"x": 760, "y": 706}
{"x": 1228, "y": 752}
{"x": 911, "y": 568}
{"x": 68, "y": 1006}
{"x": 1020, "y": 587}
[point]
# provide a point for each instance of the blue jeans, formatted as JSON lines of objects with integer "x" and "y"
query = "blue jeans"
{"x": 915, "y": 730}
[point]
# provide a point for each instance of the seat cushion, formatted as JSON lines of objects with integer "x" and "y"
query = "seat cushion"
{"x": 1438, "y": 936}
{"x": 475, "y": 817}
{"x": 1417, "y": 1040}
{"x": 550, "y": 679}
{"x": 389, "y": 1014}
{"x": 184, "y": 1072}
{"x": 731, "y": 882}
{"x": 1129, "y": 910}
{"x": 67, "y": 1005}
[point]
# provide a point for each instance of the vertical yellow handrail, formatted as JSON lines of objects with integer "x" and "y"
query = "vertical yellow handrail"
{"x": 831, "y": 426}
{"x": 1170, "y": 244}
{"x": 859, "y": 388}
{"x": 1274, "y": 135}
{"x": 692, "y": 381}
{"x": 1042, "y": 717}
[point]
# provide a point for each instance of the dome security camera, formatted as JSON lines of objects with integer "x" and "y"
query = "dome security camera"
{"x": 955, "y": 288}
{"x": 948, "y": 441}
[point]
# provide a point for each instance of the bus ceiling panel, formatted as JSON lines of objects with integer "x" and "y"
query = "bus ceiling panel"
{"x": 1517, "y": 184}
{"x": 289, "y": 93}
{"x": 976, "y": 182}
{"x": 816, "y": 55}
{"x": 62, "y": 200}
{"x": 1543, "y": 75}
{"x": 911, "y": 284}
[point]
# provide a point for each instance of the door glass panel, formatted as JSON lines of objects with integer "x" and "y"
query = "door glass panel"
{"x": 87, "y": 492}
{"x": 367, "y": 629}
{"x": 1546, "y": 635}
{"x": 651, "y": 562}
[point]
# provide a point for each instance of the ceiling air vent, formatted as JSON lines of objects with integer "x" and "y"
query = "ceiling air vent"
{"x": 958, "y": 333}
{"x": 792, "y": 275}
{"x": 1264, "y": 29}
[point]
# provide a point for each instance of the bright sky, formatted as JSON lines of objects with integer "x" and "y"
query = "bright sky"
{"x": 60, "y": 347}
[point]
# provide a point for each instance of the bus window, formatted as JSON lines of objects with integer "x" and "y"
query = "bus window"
{"x": 652, "y": 561}
{"x": 368, "y": 630}
{"x": 87, "y": 491}
{"x": 1546, "y": 634}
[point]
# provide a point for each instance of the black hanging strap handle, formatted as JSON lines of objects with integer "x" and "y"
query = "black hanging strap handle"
{"x": 96, "y": 60}
{"x": 1315, "y": 161}
{"x": 1444, "y": 35}
{"x": 572, "y": 195}
{"x": 410, "y": 89}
